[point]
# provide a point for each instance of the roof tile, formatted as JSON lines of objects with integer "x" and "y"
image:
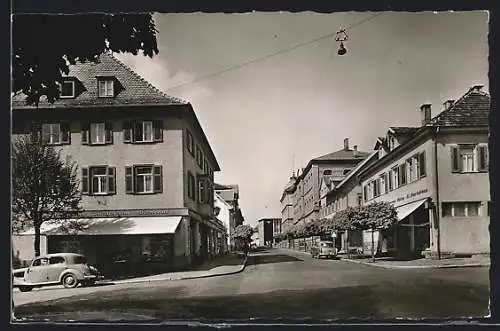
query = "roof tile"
{"x": 136, "y": 90}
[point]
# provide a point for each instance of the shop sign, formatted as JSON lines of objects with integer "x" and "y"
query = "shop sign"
{"x": 409, "y": 196}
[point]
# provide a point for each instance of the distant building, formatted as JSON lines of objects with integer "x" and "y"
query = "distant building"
{"x": 230, "y": 194}
{"x": 311, "y": 185}
{"x": 287, "y": 203}
{"x": 222, "y": 211}
{"x": 268, "y": 228}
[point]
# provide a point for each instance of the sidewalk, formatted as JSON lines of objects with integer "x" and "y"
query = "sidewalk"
{"x": 389, "y": 263}
{"x": 218, "y": 267}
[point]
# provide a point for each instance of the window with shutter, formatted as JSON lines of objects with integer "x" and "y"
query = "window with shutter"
{"x": 111, "y": 180}
{"x": 455, "y": 159}
{"x": 157, "y": 179}
{"x": 386, "y": 183}
{"x": 85, "y": 180}
{"x": 482, "y": 154}
{"x": 129, "y": 180}
{"x": 127, "y": 132}
{"x": 109, "y": 132}
{"x": 85, "y": 133}
{"x": 158, "y": 130}
{"x": 402, "y": 174}
{"x": 422, "y": 168}
{"x": 365, "y": 192}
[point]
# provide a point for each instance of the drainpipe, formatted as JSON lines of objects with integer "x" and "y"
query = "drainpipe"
{"x": 436, "y": 185}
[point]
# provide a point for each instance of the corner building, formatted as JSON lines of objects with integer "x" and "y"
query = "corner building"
{"x": 145, "y": 165}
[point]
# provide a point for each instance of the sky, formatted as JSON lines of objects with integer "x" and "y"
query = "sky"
{"x": 266, "y": 119}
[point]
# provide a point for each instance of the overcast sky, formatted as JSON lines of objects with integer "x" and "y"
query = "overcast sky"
{"x": 273, "y": 116}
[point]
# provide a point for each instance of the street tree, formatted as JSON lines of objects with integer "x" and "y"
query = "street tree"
{"x": 243, "y": 235}
{"x": 44, "y": 186}
{"x": 375, "y": 216}
{"x": 44, "y": 45}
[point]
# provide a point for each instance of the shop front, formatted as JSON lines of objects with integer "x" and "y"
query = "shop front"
{"x": 120, "y": 246}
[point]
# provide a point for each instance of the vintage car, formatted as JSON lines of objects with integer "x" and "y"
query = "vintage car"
{"x": 68, "y": 269}
{"x": 323, "y": 249}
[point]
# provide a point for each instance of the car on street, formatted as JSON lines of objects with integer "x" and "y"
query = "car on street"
{"x": 324, "y": 248}
{"x": 68, "y": 269}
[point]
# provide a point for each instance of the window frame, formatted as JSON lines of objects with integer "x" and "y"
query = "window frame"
{"x": 73, "y": 89}
{"x": 106, "y": 94}
{"x": 64, "y": 128}
{"x": 87, "y": 180}
{"x": 131, "y": 179}
{"x": 190, "y": 143}
{"x": 466, "y": 205}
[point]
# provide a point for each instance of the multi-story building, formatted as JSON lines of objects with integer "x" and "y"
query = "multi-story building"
{"x": 436, "y": 175}
{"x": 325, "y": 170}
{"x": 222, "y": 211}
{"x": 346, "y": 193}
{"x": 268, "y": 228}
{"x": 230, "y": 194}
{"x": 145, "y": 165}
{"x": 287, "y": 203}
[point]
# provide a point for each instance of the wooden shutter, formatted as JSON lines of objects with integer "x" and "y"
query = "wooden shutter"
{"x": 401, "y": 175}
{"x": 85, "y": 133}
{"x": 365, "y": 191}
{"x": 421, "y": 161}
{"x": 129, "y": 180}
{"x": 455, "y": 159}
{"x": 65, "y": 128}
{"x": 127, "y": 132}
{"x": 85, "y": 180}
{"x": 158, "y": 130}
{"x": 391, "y": 185}
{"x": 109, "y": 132}
{"x": 386, "y": 180}
{"x": 111, "y": 180}
{"x": 482, "y": 154}
{"x": 157, "y": 179}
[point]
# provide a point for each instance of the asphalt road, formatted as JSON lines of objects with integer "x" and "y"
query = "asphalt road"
{"x": 276, "y": 284}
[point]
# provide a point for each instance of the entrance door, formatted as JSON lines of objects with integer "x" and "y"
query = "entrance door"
{"x": 37, "y": 272}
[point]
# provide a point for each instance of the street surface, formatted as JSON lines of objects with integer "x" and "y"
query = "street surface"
{"x": 279, "y": 284}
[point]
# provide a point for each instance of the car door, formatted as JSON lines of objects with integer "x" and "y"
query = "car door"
{"x": 37, "y": 272}
{"x": 56, "y": 266}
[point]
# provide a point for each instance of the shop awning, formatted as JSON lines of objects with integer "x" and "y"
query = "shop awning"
{"x": 406, "y": 210}
{"x": 111, "y": 226}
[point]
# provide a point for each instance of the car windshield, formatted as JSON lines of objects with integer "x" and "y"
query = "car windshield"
{"x": 326, "y": 244}
{"x": 78, "y": 259}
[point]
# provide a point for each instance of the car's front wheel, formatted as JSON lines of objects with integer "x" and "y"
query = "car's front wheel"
{"x": 70, "y": 281}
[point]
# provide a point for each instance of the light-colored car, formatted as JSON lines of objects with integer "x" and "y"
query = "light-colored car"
{"x": 324, "y": 249}
{"x": 68, "y": 269}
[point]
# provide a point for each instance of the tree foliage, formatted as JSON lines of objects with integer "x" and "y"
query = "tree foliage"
{"x": 379, "y": 215}
{"x": 44, "y": 187}
{"x": 243, "y": 232}
{"x": 44, "y": 45}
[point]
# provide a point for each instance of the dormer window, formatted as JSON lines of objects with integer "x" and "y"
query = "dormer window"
{"x": 106, "y": 88}
{"x": 66, "y": 89}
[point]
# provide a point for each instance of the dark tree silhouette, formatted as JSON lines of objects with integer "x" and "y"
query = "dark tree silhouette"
{"x": 43, "y": 186}
{"x": 44, "y": 45}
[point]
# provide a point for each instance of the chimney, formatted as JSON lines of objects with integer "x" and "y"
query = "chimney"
{"x": 448, "y": 103}
{"x": 355, "y": 148}
{"x": 346, "y": 144}
{"x": 425, "y": 111}
{"x": 476, "y": 88}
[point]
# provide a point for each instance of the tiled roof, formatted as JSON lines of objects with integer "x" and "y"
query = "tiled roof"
{"x": 403, "y": 130}
{"x": 134, "y": 90}
{"x": 470, "y": 110}
{"x": 343, "y": 154}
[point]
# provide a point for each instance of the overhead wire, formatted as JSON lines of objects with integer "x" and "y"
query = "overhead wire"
{"x": 265, "y": 57}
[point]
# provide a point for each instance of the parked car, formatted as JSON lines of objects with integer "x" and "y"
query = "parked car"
{"x": 324, "y": 249}
{"x": 68, "y": 269}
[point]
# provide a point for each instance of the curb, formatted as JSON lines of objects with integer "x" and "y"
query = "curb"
{"x": 371, "y": 264}
{"x": 132, "y": 281}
